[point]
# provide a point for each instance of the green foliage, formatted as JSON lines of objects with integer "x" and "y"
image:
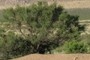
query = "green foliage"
{"x": 48, "y": 25}
{"x": 86, "y": 39}
{"x": 20, "y": 47}
{"x": 12, "y": 46}
{"x": 5, "y": 43}
{"x": 75, "y": 47}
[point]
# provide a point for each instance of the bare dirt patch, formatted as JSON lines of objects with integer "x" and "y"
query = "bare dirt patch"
{"x": 65, "y": 3}
{"x": 75, "y": 4}
{"x": 56, "y": 57}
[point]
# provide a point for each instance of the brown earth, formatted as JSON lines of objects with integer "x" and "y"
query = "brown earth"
{"x": 65, "y": 3}
{"x": 55, "y": 57}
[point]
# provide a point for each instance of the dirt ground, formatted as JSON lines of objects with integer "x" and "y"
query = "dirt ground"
{"x": 55, "y": 57}
{"x": 65, "y": 3}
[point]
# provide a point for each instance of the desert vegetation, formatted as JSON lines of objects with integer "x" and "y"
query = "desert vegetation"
{"x": 41, "y": 28}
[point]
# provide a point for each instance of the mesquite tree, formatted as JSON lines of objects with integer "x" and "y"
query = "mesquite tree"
{"x": 49, "y": 26}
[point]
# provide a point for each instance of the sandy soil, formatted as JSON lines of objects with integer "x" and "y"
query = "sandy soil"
{"x": 65, "y": 3}
{"x": 75, "y": 4}
{"x": 56, "y": 57}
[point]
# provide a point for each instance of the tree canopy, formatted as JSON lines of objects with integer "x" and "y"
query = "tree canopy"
{"x": 48, "y": 26}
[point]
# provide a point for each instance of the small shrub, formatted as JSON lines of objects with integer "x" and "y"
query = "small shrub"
{"x": 75, "y": 47}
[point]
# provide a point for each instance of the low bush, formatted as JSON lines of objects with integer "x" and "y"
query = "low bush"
{"x": 75, "y": 47}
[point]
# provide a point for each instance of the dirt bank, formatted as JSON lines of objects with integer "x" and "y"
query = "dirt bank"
{"x": 56, "y": 57}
